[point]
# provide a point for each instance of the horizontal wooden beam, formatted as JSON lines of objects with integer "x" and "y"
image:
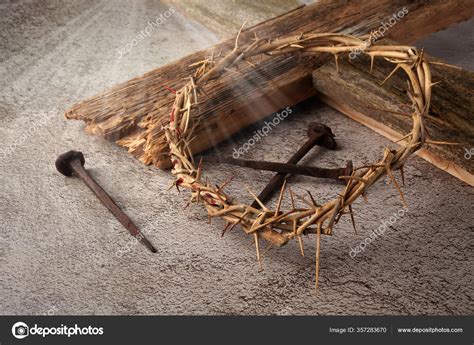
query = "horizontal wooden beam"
{"x": 386, "y": 108}
{"x": 133, "y": 113}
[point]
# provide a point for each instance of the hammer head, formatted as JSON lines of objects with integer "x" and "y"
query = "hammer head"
{"x": 63, "y": 162}
{"x": 325, "y": 134}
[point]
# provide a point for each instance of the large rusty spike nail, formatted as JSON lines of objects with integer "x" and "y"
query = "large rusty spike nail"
{"x": 285, "y": 168}
{"x": 318, "y": 134}
{"x": 72, "y": 162}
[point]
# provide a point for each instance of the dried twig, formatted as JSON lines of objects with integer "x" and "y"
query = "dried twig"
{"x": 278, "y": 227}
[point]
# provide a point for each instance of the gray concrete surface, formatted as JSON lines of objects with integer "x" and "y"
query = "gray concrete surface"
{"x": 61, "y": 252}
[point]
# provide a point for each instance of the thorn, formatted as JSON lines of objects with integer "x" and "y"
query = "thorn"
{"x": 444, "y": 64}
{"x": 395, "y": 183}
{"x": 348, "y": 186}
{"x": 232, "y": 71}
{"x": 238, "y": 34}
{"x": 339, "y": 216}
{"x": 226, "y": 229}
{"x": 390, "y": 74}
{"x": 249, "y": 62}
{"x": 300, "y": 241}
{"x": 280, "y": 198}
{"x": 402, "y": 173}
{"x": 198, "y": 194}
{"x": 194, "y": 90}
{"x": 401, "y": 139}
{"x": 258, "y": 200}
{"x": 201, "y": 88}
{"x": 292, "y": 198}
{"x": 177, "y": 183}
{"x": 257, "y": 247}
{"x": 270, "y": 246}
{"x": 427, "y": 132}
{"x": 441, "y": 142}
{"x": 295, "y": 226}
{"x": 312, "y": 199}
{"x": 372, "y": 58}
{"x": 318, "y": 242}
{"x": 306, "y": 201}
{"x": 199, "y": 170}
{"x": 352, "y": 219}
{"x": 336, "y": 58}
{"x": 226, "y": 182}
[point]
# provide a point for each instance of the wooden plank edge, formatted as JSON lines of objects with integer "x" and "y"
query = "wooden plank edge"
{"x": 439, "y": 162}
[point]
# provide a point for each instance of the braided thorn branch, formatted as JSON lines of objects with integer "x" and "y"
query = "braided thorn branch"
{"x": 278, "y": 226}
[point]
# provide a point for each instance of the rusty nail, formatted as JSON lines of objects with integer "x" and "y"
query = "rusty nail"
{"x": 318, "y": 134}
{"x": 285, "y": 168}
{"x": 72, "y": 162}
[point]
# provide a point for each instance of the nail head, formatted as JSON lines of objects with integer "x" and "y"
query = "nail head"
{"x": 63, "y": 162}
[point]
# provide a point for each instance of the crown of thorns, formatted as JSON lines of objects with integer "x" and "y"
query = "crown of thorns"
{"x": 279, "y": 226}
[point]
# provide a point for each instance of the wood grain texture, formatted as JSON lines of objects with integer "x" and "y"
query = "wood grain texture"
{"x": 133, "y": 113}
{"x": 358, "y": 94}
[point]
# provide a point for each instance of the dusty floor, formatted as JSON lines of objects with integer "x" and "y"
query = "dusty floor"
{"x": 61, "y": 252}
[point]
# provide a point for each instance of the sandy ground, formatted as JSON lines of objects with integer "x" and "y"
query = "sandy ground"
{"x": 61, "y": 251}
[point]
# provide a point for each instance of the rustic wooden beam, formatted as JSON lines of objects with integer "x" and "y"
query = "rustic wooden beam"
{"x": 133, "y": 112}
{"x": 386, "y": 108}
